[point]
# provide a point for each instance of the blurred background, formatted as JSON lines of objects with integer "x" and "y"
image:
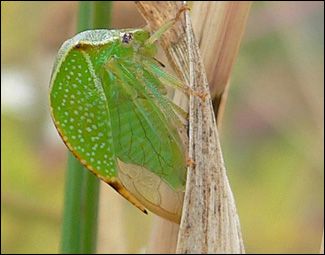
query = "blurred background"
{"x": 272, "y": 134}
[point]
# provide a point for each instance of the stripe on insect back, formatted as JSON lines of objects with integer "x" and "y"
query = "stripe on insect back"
{"x": 98, "y": 84}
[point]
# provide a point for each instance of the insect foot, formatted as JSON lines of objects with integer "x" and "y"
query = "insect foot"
{"x": 181, "y": 10}
{"x": 190, "y": 162}
{"x": 199, "y": 94}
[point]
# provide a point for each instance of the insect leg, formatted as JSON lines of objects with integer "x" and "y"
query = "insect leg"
{"x": 172, "y": 81}
{"x": 166, "y": 26}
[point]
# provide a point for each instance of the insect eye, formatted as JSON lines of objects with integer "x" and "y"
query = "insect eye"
{"x": 127, "y": 37}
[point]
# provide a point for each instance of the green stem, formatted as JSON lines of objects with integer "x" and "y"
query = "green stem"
{"x": 71, "y": 214}
{"x": 84, "y": 16}
{"x": 102, "y": 14}
{"x": 79, "y": 230}
{"x": 89, "y": 208}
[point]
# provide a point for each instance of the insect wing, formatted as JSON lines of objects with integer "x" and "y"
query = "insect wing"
{"x": 80, "y": 112}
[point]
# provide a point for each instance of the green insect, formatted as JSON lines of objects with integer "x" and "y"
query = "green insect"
{"x": 108, "y": 102}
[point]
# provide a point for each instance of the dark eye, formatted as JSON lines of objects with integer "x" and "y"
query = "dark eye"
{"x": 127, "y": 37}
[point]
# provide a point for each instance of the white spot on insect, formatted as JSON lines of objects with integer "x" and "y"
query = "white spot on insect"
{"x": 74, "y": 85}
{"x": 71, "y": 73}
{"x": 73, "y": 137}
{"x": 82, "y": 140}
{"x": 80, "y": 108}
{"x": 71, "y": 127}
{"x": 92, "y": 160}
{"x": 100, "y": 134}
{"x": 66, "y": 113}
{"x": 88, "y": 129}
{"x": 66, "y": 90}
{"x": 75, "y": 112}
{"x": 79, "y": 74}
{"x": 94, "y": 126}
{"x": 71, "y": 102}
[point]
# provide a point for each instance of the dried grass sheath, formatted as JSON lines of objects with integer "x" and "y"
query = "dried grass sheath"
{"x": 209, "y": 222}
{"x": 219, "y": 27}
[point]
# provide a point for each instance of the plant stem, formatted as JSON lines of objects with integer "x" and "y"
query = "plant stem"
{"x": 102, "y": 14}
{"x": 89, "y": 212}
{"x": 84, "y": 16}
{"x": 71, "y": 214}
{"x": 209, "y": 222}
{"x": 79, "y": 230}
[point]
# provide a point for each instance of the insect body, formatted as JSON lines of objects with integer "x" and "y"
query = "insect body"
{"x": 108, "y": 103}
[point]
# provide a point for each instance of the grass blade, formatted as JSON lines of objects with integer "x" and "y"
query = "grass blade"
{"x": 79, "y": 230}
